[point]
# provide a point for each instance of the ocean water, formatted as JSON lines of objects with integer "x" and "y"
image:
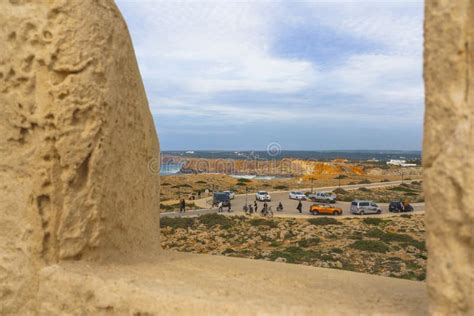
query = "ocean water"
{"x": 326, "y": 155}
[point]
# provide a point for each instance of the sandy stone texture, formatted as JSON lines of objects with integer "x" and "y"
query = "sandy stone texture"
{"x": 77, "y": 144}
{"x": 448, "y": 155}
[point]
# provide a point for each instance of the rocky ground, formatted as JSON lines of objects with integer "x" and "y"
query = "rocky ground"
{"x": 189, "y": 185}
{"x": 393, "y": 246}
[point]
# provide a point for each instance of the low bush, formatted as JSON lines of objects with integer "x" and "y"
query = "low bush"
{"x": 243, "y": 180}
{"x": 177, "y": 222}
{"x": 281, "y": 187}
{"x": 309, "y": 242}
{"x": 340, "y": 191}
{"x": 373, "y": 221}
{"x": 337, "y": 250}
{"x": 211, "y": 220}
{"x": 201, "y": 182}
{"x": 166, "y": 183}
{"x": 385, "y": 180}
{"x": 324, "y": 221}
{"x": 295, "y": 254}
{"x": 364, "y": 181}
{"x": 262, "y": 222}
{"x": 371, "y": 246}
{"x": 364, "y": 189}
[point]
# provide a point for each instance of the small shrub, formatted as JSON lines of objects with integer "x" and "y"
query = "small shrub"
{"x": 324, "y": 221}
{"x": 385, "y": 180}
{"x": 295, "y": 254}
{"x": 243, "y": 180}
{"x": 228, "y": 251}
{"x": 177, "y": 222}
{"x": 201, "y": 182}
{"x": 370, "y": 246}
{"x": 364, "y": 181}
{"x": 340, "y": 191}
{"x": 373, "y": 221}
{"x": 281, "y": 187}
{"x": 262, "y": 222}
{"x": 166, "y": 183}
{"x": 364, "y": 189}
{"x": 309, "y": 242}
{"x": 337, "y": 250}
{"x": 405, "y": 215}
{"x": 211, "y": 220}
{"x": 275, "y": 244}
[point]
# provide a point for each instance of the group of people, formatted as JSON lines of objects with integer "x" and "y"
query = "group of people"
{"x": 265, "y": 211}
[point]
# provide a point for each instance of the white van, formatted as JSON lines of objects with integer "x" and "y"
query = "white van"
{"x": 365, "y": 207}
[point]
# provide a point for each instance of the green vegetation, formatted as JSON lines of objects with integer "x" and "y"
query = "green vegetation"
{"x": 324, "y": 221}
{"x": 337, "y": 250}
{"x": 370, "y": 246}
{"x": 281, "y": 187}
{"x": 309, "y": 242}
{"x": 373, "y": 221}
{"x": 295, "y": 254}
{"x": 177, "y": 222}
{"x": 262, "y": 222}
{"x": 340, "y": 191}
{"x": 243, "y": 180}
{"x": 211, "y": 220}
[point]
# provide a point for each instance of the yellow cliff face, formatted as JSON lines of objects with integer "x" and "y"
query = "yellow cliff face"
{"x": 317, "y": 169}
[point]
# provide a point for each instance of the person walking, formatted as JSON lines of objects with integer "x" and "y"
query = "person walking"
{"x": 230, "y": 207}
{"x": 255, "y": 205}
{"x": 182, "y": 206}
{"x": 300, "y": 207}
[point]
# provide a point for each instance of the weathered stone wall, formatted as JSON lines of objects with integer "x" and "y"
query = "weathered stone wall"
{"x": 448, "y": 155}
{"x": 77, "y": 136}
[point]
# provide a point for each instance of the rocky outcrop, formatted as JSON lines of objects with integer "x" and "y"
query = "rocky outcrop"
{"x": 77, "y": 139}
{"x": 448, "y": 155}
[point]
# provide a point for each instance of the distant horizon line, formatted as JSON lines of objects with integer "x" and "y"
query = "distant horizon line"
{"x": 297, "y": 150}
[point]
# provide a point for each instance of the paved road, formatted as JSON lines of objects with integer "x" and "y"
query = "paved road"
{"x": 289, "y": 206}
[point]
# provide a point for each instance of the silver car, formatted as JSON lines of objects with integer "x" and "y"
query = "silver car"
{"x": 365, "y": 207}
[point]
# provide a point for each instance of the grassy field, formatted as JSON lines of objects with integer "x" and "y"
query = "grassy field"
{"x": 392, "y": 246}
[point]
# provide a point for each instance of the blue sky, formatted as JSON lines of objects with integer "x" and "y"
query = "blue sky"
{"x": 309, "y": 75}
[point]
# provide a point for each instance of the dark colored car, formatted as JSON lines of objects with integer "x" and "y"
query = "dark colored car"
{"x": 398, "y": 207}
{"x": 221, "y": 197}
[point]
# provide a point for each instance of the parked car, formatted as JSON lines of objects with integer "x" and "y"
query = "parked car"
{"x": 322, "y": 208}
{"x": 231, "y": 194}
{"x": 263, "y": 196}
{"x": 219, "y": 197}
{"x": 326, "y": 197}
{"x": 295, "y": 195}
{"x": 365, "y": 207}
{"x": 399, "y": 206}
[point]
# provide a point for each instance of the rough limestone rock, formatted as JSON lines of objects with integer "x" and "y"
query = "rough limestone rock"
{"x": 77, "y": 140}
{"x": 448, "y": 155}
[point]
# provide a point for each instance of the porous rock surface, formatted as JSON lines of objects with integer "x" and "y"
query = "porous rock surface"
{"x": 78, "y": 197}
{"x": 77, "y": 139}
{"x": 448, "y": 155}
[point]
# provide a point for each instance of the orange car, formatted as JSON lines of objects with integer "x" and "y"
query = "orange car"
{"x": 325, "y": 209}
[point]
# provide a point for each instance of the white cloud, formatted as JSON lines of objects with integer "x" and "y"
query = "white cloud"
{"x": 200, "y": 49}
